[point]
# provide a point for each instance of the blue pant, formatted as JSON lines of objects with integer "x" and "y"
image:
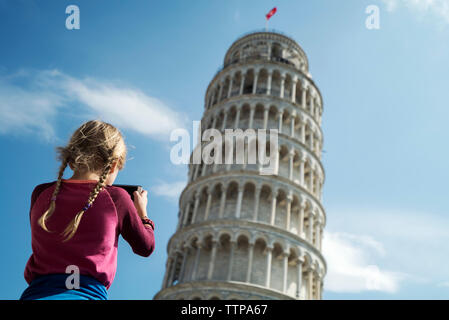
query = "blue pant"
{"x": 53, "y": 287}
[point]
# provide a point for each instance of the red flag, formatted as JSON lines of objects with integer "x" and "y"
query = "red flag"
{"x": 271, "y": 13}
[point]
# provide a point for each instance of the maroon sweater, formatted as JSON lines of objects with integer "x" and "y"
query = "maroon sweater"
{"x": 93, "y": 248}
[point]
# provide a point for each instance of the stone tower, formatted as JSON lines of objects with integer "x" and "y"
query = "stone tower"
{"x": 242, "y": 235}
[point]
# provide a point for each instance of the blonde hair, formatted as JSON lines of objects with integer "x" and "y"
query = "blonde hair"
{"x": 93, "y": 147}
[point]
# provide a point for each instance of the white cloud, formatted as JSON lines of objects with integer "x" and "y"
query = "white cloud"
{"x": 30, "y": 102}
{"x": 439, "y": 8}
{"x": 26, "y": 110}
{"x": 411, "y": 242}
{"x": 169, "y": 190}
{"x": 350, "y": 264}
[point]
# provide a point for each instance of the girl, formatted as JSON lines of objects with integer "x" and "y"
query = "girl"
{"x": 75, "y": 223}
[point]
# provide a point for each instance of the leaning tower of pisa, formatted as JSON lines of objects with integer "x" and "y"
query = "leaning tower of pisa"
{"x": 243, "y": 235}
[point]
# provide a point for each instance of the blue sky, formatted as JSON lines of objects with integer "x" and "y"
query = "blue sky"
{"x": 145, "y": 66}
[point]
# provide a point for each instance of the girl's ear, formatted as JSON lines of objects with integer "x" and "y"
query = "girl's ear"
{"x": 113, "y": 167}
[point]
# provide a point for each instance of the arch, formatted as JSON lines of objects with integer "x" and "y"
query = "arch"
{"x": 299, "y": 93}
{"x": 288, "y": 83}
{"x": 220, "y": 119}
{"x": 295, "y": 215}
{"x": 262, "y": 81}
{"x": 232, "y": 115}
{"x": 225, "y": 90}
{"x": 205, "y": 256}
{"x": 236, "y": 84}
{"x": 296, "y": 166}
{"x": 192, "y": 243}
{"x": 247, "y": 208}
{"x": 217, "y": 191}
{"x": 201, "y": 210}
{"x": 281, "y": 209}
{"x": 248, "y": 84}
{"x": 276, "y": 83}
{"x": 216, "y": 94}
{"x": 292, "y": 271}
{"x": 258, "y": 121}
{"x": 235, "y": 56}
{"x": 240, "y": 260}
{"x": 262, "y": 49}
{"x": 277, "y": 268}
{"x": 264, "y": 213}
{"x": 283, "y": 161}
{"x": 222, "y": 257}
{"x": 286, "y": 118}
{"x": 259, "y": 266}
{"x": 272, "y": 117}
{"x": 244, "y": 116}
{"x": 231, "y": 199}
{"x": 276, "y": 51}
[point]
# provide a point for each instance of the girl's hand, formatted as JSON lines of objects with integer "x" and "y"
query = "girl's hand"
{"x": 140, "y": 202}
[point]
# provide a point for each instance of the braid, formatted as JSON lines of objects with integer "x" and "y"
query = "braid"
{"x": 70, "y": 230}
{"x": 51, "y": 209}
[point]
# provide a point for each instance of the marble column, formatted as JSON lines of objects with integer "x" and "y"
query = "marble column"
{"x": 250, "y": 262}
{"x": 195, "y": 208}
{"x": 251, "y": 115}
{"x": 310, "y": 284}
{"x": 173, "y": 270}
{"x": 222, "y": 202}
{"x": 304, "y": 96}
{"x": 231, "y": 260}
{"x": 242, "y": 84}
{"x": 312, "y": 176}
{"x": 285, "y": 271}
{"x": 237, "y": 118}
{"x": 186, "y": 213}
{"x": 212, "y": 259}
{"x": 312, "y": 106}
{"x": 269, "y": 258}
{"x": 230, "y": 86}
{"x": 294, "y": 82}
{"x": 291, "y": 156}
{"x": 239, "y": 201}
{"x": 186, "y": 250}
{"x": 256, "y": 202}
{"x": 302, "y": 161}
{"x": 311, "y": 141}
{"x": 220, "y": 92}
{"x": 256, "y": 77}
{"x": 165, "y": 283}
{"x": 273, "y": 206}
{"x": 318, "y": 232}
{"x": 269, "y": 80}
{"x": 225, "y": 119}
{"x": 208, "y": 204}
{"x": 289, "y": 210}
{"x": 280, "y": 116}
{"x": 292, "y": 125}
{"x": 282, "y": 85}
{"x": 310, "y": 227}
{"x": 299, "y": 263}
{"x": 197, "y": 260}
{"x": 303, "y": 132}
{"x": 301, "y": 219}
{"x": 265, "y": 117}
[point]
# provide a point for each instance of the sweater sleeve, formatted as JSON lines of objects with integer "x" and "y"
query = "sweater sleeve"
{"x": 139, "y": 236}
{"x": 37, "y": 191}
